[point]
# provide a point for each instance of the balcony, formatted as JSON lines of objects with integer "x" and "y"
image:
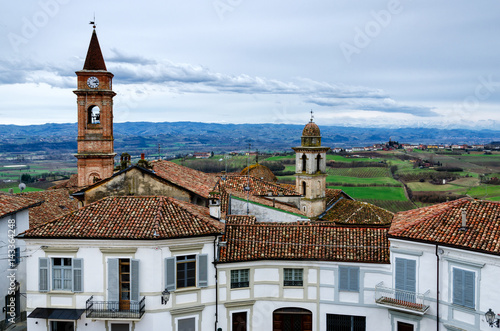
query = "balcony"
{"x": 406, "y": 301}
{"x": 104, "y": 310}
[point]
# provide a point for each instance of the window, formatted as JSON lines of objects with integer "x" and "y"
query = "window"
{"x": 293, "y": 277}
{"x": 186, "y": 271}
{"x": 120, "y": 327}
{"x": 406, "y": 279}
{"x": 464, "y": 287}
{"x": 239, "y": 278}
{"x": 349, "y": 279}
{"x": 123, "y": 283}
{"x": 345, "y": 323}
{"x": 239, "y": 321}
{"x": 186, "y": 324}
{"x": 60, "y": 274}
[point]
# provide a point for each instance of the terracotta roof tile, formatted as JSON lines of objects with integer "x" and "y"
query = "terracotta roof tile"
{"x": 305, "y": 241}
{"x": 441, "y": 224}
{"x": 131, "y": 218}
{"x": 10, "y": 204}
{"x": 193, "y": 180}
{"x": 257, "y": 186}
{"x": 351, "y": 212}
{"x": 54, "y": 203}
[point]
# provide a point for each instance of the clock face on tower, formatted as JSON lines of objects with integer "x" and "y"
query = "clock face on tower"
{"x": 93, "y": 82}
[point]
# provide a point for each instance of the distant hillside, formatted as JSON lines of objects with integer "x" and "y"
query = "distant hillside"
{"x": 192, "y": 136}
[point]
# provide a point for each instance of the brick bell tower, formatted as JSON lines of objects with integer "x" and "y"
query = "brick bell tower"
{"x": 310, "y": 171}
{"x": 95, "y": 117}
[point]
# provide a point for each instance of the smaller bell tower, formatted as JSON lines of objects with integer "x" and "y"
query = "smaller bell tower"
{"x": 95, "y": 117}
{"x": 310, "y": 171}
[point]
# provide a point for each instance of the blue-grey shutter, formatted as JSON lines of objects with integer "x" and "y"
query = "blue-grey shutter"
{"x": 113, "y": 281}
{"x": 43, "y": 274}
{"x": 170, "y": 273}
{"x": 202, "y": 270}
{"x": 406, "y": 275}
{"x": 343, "y": 279}
{"x": 469, "y": 286}
{"x": 77, "y": 275}
{"x": 400, "y": 274}
{"x": 134, "y": 287}
{"x": 458, "y": 286}
{"x": 354, "y": 279}
{"x": 411, "y": 276}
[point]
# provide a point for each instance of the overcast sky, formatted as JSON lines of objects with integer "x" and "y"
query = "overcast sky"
{"x": 396, "y": 63}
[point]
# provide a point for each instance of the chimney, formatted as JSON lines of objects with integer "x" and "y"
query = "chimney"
{"x": 214, "y": 207}
{"x": 142, "y": 156}
{"x": 464, "y": 220}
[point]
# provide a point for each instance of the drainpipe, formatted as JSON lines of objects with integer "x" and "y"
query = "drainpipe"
{"x": 437, "y": 288}
{"x": 216, "y": 285}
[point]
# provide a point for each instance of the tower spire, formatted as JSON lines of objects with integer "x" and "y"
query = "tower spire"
{"x": 94, "y": 59}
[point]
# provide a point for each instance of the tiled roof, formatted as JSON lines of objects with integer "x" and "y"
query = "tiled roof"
{"x": 305, "y": 241}
{"x": 10, "y": 204}
{"x": 131, "y": 218}
{"x": 257, "y": 186}
{"x": 54, "y": 203}
{"x": 193, "y": 180}
{"x": 71, "y": 184}
{"x": 441, "y": 224}
{"x": 240, "y": 219}
{"x": 311, "y": 130}
{"x": 332, "y": 195}
{"x": 350, "y": 212}
{"x": 266, "y": 201}
{"x": 259, "y": 171}
{"x": 94, "y": 59}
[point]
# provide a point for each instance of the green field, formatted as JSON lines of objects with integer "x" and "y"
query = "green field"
{"x": 16, "y": 189}
{"x": 362, "y": 181}
{"x": 363, "y": 172}
{"x": 377, "y": 193}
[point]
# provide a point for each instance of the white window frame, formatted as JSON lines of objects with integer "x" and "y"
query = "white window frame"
{"x": 62, "y": 269}
{"x": 196, "y": 317}
{"x": 239, "y": 275}
{"x": 466, "y": 265}
{"x": 295, "y": 272}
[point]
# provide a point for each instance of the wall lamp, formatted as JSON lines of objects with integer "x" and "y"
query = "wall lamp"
{"x": 490, "y": 318}
{"x": 165, "y": 296}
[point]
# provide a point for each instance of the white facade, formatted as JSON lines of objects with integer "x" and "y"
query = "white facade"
{"x": 192, "y": 302}
{"x": 13, "y": 275}
{"x": 454, "y": 314}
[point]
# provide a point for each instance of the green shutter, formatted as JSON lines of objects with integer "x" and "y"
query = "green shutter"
{"x": 202, "y": 270}
{"x": 77, "y": 275}
{"x": 43, "y": 274}
{"x": 113, "y": 281}
{"x": 170, "y": 273}
{"x": 134, "y": 286}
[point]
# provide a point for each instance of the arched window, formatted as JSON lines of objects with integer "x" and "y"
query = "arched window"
{"x": 304, "y": 187}
{"x": 318, "y": 162}
{"x": 304, "y": 162}
{"x": 94, "y": 115}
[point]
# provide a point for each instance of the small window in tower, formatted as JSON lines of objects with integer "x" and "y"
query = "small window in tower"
{"x": 304, "y": 188}
{"x": 304, "y": 162}
{"x": 94, "y": 115}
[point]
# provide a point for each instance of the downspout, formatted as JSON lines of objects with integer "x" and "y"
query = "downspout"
{"x": 216, "y": 258}
{"x": 437, "y": 288}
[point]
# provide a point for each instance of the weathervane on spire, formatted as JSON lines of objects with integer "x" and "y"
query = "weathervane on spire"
{"x": 312, "y": 116}
{"x": 93, "y": 22}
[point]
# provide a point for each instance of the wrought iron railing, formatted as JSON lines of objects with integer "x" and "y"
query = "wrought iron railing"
{"x": 112, "y": 309}
{"x": 401, "y": 299}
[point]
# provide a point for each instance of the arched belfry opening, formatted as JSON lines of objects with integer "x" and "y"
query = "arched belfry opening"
{"x": 94, "y": 115}
{"x": 304, "y": 163}
{"x": 318, "y": 162}
{"x": 304, "y": 188}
